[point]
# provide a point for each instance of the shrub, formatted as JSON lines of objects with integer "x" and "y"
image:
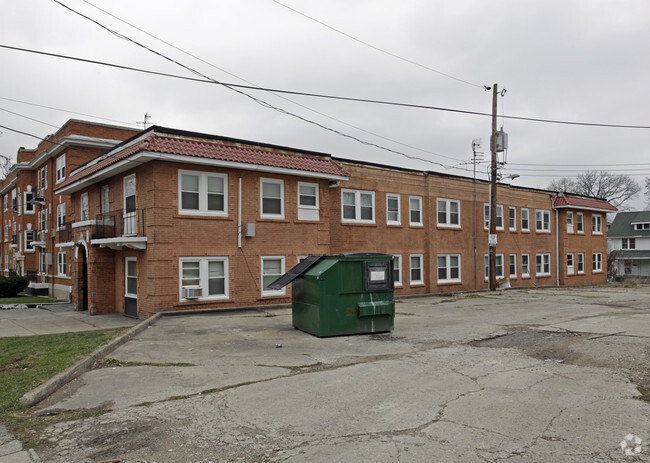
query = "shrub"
{"x": 11, "y": 286}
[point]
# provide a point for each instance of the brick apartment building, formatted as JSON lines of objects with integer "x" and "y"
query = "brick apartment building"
{"x": 33, "y": 215}
{"x": 172, "y": 220}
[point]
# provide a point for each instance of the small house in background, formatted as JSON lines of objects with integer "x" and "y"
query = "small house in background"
{"x": 629, "y": 242}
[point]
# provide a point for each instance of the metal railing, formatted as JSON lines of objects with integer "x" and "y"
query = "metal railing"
{"x": 65, "y": 233}
{"x": 32, "y": 275}
{"x": 120, "y": 223}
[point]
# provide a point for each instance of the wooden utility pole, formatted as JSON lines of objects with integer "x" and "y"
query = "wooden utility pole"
{"x": 492, "y": 241}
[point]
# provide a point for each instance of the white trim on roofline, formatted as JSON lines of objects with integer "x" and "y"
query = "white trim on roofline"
{"x": 145, "y": 156}
{"x": 595, "y": 209}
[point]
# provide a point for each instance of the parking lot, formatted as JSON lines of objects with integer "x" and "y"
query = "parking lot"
{"x": 522, "y": 375}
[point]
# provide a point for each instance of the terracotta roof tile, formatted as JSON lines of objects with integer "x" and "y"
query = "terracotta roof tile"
{"x": 586, "y": 203}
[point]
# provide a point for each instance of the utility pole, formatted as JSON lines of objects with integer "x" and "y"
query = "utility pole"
{"x": 492, "y": 240}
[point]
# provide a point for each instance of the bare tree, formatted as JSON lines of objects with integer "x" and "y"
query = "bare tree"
{"x": 617, "y": 189}
{"x": 647, "y": 192}
{"x": 5, "y": 165}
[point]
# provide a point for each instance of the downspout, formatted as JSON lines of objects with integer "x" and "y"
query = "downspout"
{"x": 557, "y": 244}
{"x": 239, "y": 214}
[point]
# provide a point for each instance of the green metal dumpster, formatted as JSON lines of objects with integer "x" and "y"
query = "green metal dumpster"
{"x": 342, "y": 294}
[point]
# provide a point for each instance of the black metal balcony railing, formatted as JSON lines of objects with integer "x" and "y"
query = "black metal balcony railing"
{"x": 32, "y": 275}
{"x": 120, "y": 223}
{"x": 65, "y": 233}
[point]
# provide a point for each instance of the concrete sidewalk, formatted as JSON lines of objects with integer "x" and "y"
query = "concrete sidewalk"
{"x": 11, "y": 450}
{"x": 56, "y": 318}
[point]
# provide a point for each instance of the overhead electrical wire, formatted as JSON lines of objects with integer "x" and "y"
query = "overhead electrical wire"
{"x": 381, "y": 50}
{"x": 30, "y": 118}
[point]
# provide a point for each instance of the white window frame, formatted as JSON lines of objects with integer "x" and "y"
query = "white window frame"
{"x": 448, "y": 268}
{"x": 60, "y": 216}
{"x": 499, "y": 257}
{"x": 396, "y": 197}
{"x": 512, "y": 218}
{"x": 418, "y": 201}
{"x": 397, "y": 266}
{"x": 542, "y": 262}
{"x": 5, "y": 200}
{"x": 204, "y": 282}
{"x": 29, "y": 207}
{"x": 203, "y": 194}
{"x": 420, "y": 258}
{"x": 126, "y": 277}
{"x": 596, "y": 224}
{"x": 525, "y": 212}
{"x": 60, "y": 168}
{"x": 357, "y": 206}
{"x": 543, "y": 216}
{"x": 580, "y": 222}
{"x": 447, "y": 222}
{"x": 581, "y": 263}
{"x": 597, "y": 262}
{"x": 61, "y": 264}
{"x": 272, "y": 292}
{"x": 570, "y": 264}
{"x": 268, "y": 215}
{"x": 512, "y": 264}
{"x": 28, "y": 246}
{"x": 307, "y": 211}
{"x": 569, "y": 222}
{"x": 486, "y": 217}
{"x": 85, "y": 214}
{"x": 525, "y": 265}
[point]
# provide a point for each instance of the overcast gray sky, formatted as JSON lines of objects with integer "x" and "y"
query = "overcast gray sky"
{"x": 570, "y": 60}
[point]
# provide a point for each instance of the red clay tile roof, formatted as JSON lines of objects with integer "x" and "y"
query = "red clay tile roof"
{"x": 222, "y": 150}
{"x": 584, "y": 203}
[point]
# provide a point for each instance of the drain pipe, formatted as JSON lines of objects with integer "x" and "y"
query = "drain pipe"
{"x": 557, "y": 244}
{"x": 239, "y": 214}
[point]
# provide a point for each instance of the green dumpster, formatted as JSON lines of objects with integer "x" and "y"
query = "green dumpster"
{"x": 342, "y": 294}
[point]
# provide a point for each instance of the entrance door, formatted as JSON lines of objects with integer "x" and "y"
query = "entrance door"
{"x": 82, "y": 282}
{"x": 131, "y": 287}
{"x": 130, "y": 217}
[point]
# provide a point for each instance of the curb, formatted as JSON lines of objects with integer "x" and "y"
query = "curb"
{"x": 34, "y": 396}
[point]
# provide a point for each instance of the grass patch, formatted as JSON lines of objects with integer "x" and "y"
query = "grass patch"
{"x": 26, "y": 362}
{"x": 26, "y": 300}
{"x": 645, "y": 394}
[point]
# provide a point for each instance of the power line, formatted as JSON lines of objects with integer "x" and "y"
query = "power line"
{"x": 30, "y": 118}
{"x": 318, "y": 95}
{"x": 381, "y": 50}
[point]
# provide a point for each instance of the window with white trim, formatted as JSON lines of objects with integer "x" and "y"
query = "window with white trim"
{"x": 415, "y": 210}
{"x": 42, "y": 220}
{"x": 84, "y": 207}
{"x": 397, "y": 269}
{"x": 131, "y": 277}
{"x": 570, "y": 265}
{"x": 448, "y": 268}
{"x": 393, "y": 215}
{"x": 60, "y": 216}
{"x": 357, "y": 206}
{"x": 628, "y": 243}
{"x": 543, "y": 221}
{"x": 597, "y": 262}
{"x": 104, "y": 199}
{"x": 525, "y": 219}
{"x": 486, "y": 216}
{"x": 416, "y": 270}
{"x": 543, "y": 264}
{"x": 513, "y": 265}
{"x": 5, "y": 200}
{"x": 581, "y": 263}
{"x": 569, "y": 222}
{"x": 29, "y": 205}
{"x": 308, "y": 201}
{"x": 525, "y": 265}
{"x": 42, "y": 179}
{"x": 14, "y": 201}
{"x": 499, "y": 265}
{"x": 61, "y": 267}
{"x": 43, "y": 261}
{"x": 30, "y": 235}
{"x": 580, "y": 223}
{"x": 202, "y": 193}
{"x": 271, "y": 198}
{"x": 448, "y": 212}
{"x": 597, "y": 224}
{"x": 60, "y": 168}
{"x": 512, "y": 218}
{"x": 210, "y": 274}
{"x": 272, "y": 269}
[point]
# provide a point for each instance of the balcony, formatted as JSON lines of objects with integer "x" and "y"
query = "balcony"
{"x": 65, "y": 233}
{"x": 120, "y": 229}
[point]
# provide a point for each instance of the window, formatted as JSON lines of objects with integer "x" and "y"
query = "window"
{"x": 61, "y": 263}
{"x": 415, "y": 210}
{"x": 581, "y": 263}
{"x": 30, "y": 235}
{"x": 6, "y": 232}
{"x": 14, "y": 201}
{"x": 131, "y": 277}
{"x": 272, "y": 269}
{"x": 104, "y": 199}
{"x": 308, "y": 204}
{"x": 200, "y": 193}
{"x": 597, "y": 262}
{"x": 628, "y": 243}
{"x": 44, "y": 263}
{"x": 208, "y": 273}
{"x": 397, "y": 269}
{"x": 42, "y": 220}
{"x": 60, "y": 216}
{"x": 417, "y": 277}
{"x": 542, "y": 221}
{"x": 29, "y": 206}
{"x": 60, "y": 168}
{"x": 637, "y": 226}
{"x": 525, "y": 219}
{"x": 5, "y": 200}
{"x": 84, "y": 207}
{"x": 569, "y": 222}
{"x": 542, "y": 264}
{"x": 570, "y": 266}
{"x": 272, "y": 198}
{"x": 448, "y": 268}
{"x": 597, "y": 224}
{"x": 499, "y": 262}
{"x": 512, "y": 219}
{"x": 42, "y": 179}
{"x": 393, "y": 216}
{"x": 580, "y": 223}
{"x": 448, "y": 213}
{"x": 525, "y": 266}
{"x": 358, "y": 206}
{"x": 486, "y": 216}
{"x": 513, "y": 265}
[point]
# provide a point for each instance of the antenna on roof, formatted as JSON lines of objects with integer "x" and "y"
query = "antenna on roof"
{"x": 147, "y": 117}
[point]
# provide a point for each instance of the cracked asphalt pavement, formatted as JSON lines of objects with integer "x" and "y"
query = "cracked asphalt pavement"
{"x": 521, "y": 375}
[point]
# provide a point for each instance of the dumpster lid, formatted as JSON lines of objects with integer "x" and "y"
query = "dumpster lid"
{"x": 295, "y": 272}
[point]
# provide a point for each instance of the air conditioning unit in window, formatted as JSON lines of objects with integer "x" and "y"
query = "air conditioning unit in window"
{"x": 191, "y": 292}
